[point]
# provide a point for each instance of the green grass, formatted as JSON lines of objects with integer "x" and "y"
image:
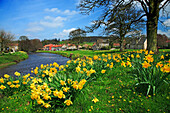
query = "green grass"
{"x": 82, "y": 53}
{"x": 7, "y": 59}
{"x": 115, "y": 91}
{"x": 91, "y": 53}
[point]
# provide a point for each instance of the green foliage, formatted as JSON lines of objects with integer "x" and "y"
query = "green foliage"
{"x": 10, "y": 58}
{"x": 109, "y": 79}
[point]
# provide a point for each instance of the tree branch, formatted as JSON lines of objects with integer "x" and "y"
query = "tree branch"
{"x": 139, "y": 18}
{"x": 144, "y": 6}
{"x": 164, "y": 4}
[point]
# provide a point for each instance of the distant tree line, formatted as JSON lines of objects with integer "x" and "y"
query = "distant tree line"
{"x": 52, "y": 41}
{"x": 29, "y": 45}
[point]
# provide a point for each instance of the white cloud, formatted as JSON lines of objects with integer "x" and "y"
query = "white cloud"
{"x": 53, "y": 22}
{"x": 64, "y": 34}
{"x": 35, "y": 29}
{"x": 65, "y": 12}
{"x": 52, "y": 10}
{"x": 163, "y": 32}
{"x": 167, "y": 22}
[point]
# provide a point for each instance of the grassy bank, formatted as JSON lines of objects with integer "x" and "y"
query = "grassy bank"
{"x": 110, "y": 80}
{"x": 81, "y": 53}
{"x": 7, "y": 59}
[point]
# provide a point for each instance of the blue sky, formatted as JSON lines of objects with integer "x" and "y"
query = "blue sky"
{"x": 48, "y": 19}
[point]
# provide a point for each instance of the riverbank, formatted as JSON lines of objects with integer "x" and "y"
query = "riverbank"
{"x": 81, "y": 53}
{"x": 90, "y": 53}
{"x": 7, "y": 59}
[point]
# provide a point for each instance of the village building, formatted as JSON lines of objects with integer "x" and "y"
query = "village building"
{"x": 100, "y": 43}
{"x": 139, "y": 43}
{"x": 48, "y": 47}
{"x": 71, "y": 47}
{"x": 56, "y": 47}
{"x": 13, "y": 47}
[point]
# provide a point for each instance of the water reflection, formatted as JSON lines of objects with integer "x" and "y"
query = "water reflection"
{"x": 34, "y": 60}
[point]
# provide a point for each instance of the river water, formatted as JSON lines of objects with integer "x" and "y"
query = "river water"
{"x": 34, "y": 60}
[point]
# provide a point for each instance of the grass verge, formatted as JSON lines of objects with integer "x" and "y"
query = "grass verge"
{"x": 7, "y": 59}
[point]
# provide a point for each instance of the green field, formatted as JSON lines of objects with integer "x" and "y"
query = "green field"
{"x": 7, "y": 59}
{"x": 115, "y": 90}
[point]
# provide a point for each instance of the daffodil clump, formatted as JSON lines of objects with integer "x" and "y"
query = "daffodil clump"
{"x": 54, "y": 87}
{"x": 58, "y": 85}
{"x": 148, "y": 68}
{"x": 10, "y": 85}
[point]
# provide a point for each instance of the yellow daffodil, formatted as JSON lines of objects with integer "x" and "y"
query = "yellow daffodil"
{"x": 137, "y": 56}
{"x": 65, "y": 89}
{"x": 40, "y": 101}
{"x": 62, "y": 82}
{"x": 103, "y": 71}
{"x": 1, "y": 80}
{"x": 17, "y": 73}
{"x": 17, "y": 85}
{"x": 77, "y": 69}
{"x": 166, "y": 68}
{"x": 95, "y": 57}
{"x": 6, "y": 76}
{"x": 47, "y": 105}
{"x": 162, "y": 57}
{"x": 2, "y": 87}
{"x": 159, "y": 64}
{"x": 145, "y": 64}
{"x": 95, "y": 100}
{"x": 149, "y": 58}
{"x": 55, "y": 93}
{"x": 9, "y": 83}
{"x": 46, "y": 97}
{"x": 68, "y": 102}
{"x": 12, "y": 85}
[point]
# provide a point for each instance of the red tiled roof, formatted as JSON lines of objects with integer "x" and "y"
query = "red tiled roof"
{"x": 116, "y": 44}
{"x": 168, "y": 41}
{"x": 94, "y": 44}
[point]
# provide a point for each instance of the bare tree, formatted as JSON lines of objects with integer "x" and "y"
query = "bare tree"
{"x": 6, "y": 38}
{"x": 77, "y": 36}
{"x": 151, "y": 9}
{"x": 123, "y": 25}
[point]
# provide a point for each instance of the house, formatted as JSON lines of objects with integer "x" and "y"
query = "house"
{"x": 80, "y": 47}
{"x": 71, "y": 47}
{"x": 95, "y": 47}
{"x": 138, "y": 43}
{"x": 56, "y": 47}
{"x": 64, "y": 47}
{"x": 100, "y": 43}
{"x": 48, "y": 47}
{"x": 13, "y": 46}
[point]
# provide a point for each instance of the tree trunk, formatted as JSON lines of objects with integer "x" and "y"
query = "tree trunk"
{"x": 121, "y": 43}
{"x": 152, "y": 25}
